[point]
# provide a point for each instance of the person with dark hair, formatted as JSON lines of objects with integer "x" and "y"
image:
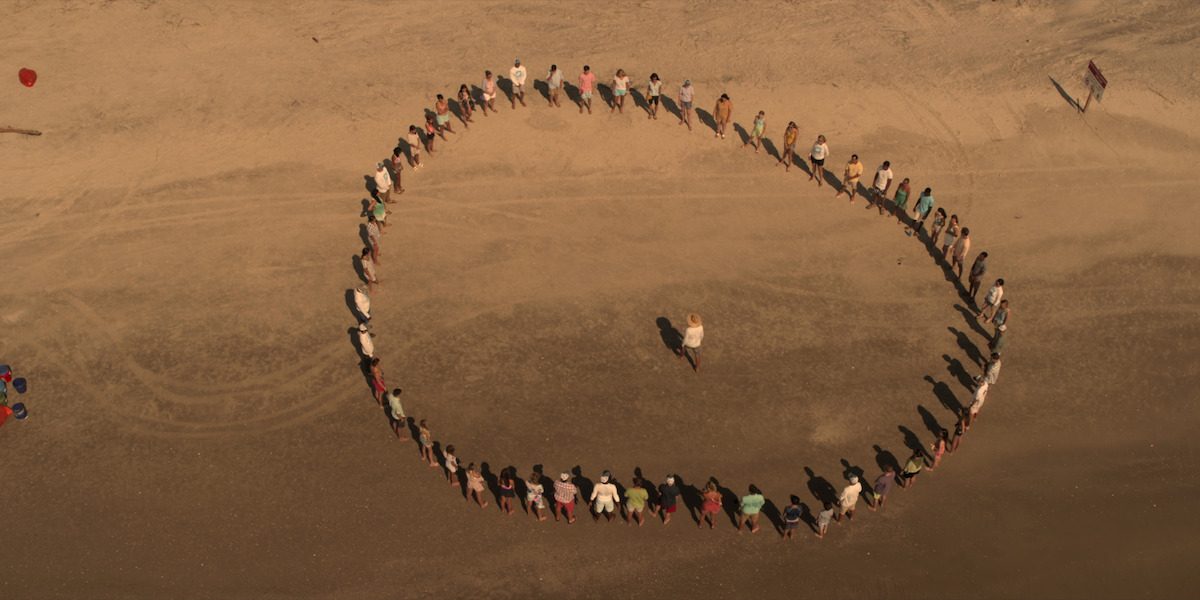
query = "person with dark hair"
{"x": 451, "y": 466}
{"x": 900, "y": 201}
{"x": 992, "y": 300}
{"x": 756, "y": 132}
{"x": 604, "y": 498}
{"x": 565, "y": 494}
{"x": 587, "y": 87}
{"x": 949, "y": 236}
{"x": 750, "y": 506}
{"x": 426, "y": 440}
{"x": 791, "y": 518}
{"x": 383, "y": 183}
{"x": 653, "y": 94}
{"x": 961, "y": 247}
{"x": 442, "y": 107}
{"x": 377, "y": 380}
{"x": 507, "y": 490}
{"x": 368, "y": 267}
{"x": 789, "y": 146}
{"x": 466, "y": 104}
{"x": 722, "y": 114}
{"x": 710, "y": 504}
{"x": 823, "y": 519}
{"x": 399, "y": 420}
{"x": 397, "y": 168}
{"x": 414, "y": 147}
{"x": 373, "y": 233}
{"x": 883, "y": 182}
{"x": 517, "y": 75}
{"x": 935, "y": 228}
{"x": 912, "y": 468}
{"x": 883, "y": 485}
{"x": 635, "y": 502}
{"x": 978, "y": 269}
{"x": 488, "y": 86}
{"x": 554, "y": 83}
{"x": 921, "y": 212}
{"x": 939, "y": 447}
{"x": 854, "y": 170}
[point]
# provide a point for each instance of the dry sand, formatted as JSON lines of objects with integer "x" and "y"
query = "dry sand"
{"x": 178, "y": 244}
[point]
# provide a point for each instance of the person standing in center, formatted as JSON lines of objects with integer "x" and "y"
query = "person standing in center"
{"x": 687, "y": 94}
{"x": 760, "y": 125}
{"x": 722, "y": 114}
{"x": 691, "y": 340}
{"x": 383, "y": 184}
{"x": 604, "y": 498}
{"x": 789, "y": 145}
{"x": 854, "y": 170}
{"x": 554, "y": 82}
{"x": 848, "y": 500}
{"x": 517, "y": 74}
{"x": 653, "y": 93}
{"x": 365, "y": 343}
{"x": 820, "y": 151}
{"x": 975, "y": 279}
{"x": 961, "y": 247}
{"x": 668, "y": 499}
{"x": 883, "y": 181}
{"x": 620, "y": 89}
{"x": 750, "y": 506}
{"x": 442, "y": 106}
{"x": 489, "y": 92}
{"x": 587, "y": 86}
{"x": 921, "y": 212}
{"x": 565, "y": 493}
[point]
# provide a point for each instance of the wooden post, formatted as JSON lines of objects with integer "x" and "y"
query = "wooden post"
{"x": 1087, "y": 102}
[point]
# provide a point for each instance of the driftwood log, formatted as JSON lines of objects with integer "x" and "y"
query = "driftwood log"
{"x": 24, "y": 131}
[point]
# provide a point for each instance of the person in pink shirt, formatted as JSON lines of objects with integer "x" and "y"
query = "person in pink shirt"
{"x": 587, "y": 86}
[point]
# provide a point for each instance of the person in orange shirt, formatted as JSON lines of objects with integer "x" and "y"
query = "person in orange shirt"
{"x": 854, "y": 170}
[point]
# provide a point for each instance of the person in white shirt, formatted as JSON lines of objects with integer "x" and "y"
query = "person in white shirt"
{"x": 992, "y": 300}
{"x": 364, "y": 340}
{"x": 554, "y": 82}
{"x": 414, "y": 147}
{"x": 817, "y": 157}
{"x": 362, "y": 303}
{"x": 848, "y": 500}
{"x": 383, "y": 183}
{"x": 653, "y": 92}
{"x": 517, "y": 74}
{"x": 620, "y": 89}
{"x": 604, "y": 498}
{"x": 488, "y": 87}
{"x": 883, "y": 181}
{"x": 687, "y": 95}
{"x": 691, "y": 340}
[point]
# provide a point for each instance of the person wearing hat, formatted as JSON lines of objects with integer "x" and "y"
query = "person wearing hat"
{"x": 604, "y": 498}
{"x": 517, "y": 74}
{"x": 691, "y": 340}
{"x": 364, "y": 340}
{"x": 565, "y": 494}
{"x": 383, "y": 183}
{"x": 848, "y": 499}
{"x": 668, "y": 499}
{"x": 687, "y": 95}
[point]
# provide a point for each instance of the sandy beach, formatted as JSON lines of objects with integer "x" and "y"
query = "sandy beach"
{"x": 180, "y": 245}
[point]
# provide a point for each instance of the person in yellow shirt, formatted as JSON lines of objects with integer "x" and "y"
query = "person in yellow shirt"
{"x": 854, "y": 170}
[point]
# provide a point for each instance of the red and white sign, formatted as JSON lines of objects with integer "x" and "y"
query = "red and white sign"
{"x": 1094, "y": 80}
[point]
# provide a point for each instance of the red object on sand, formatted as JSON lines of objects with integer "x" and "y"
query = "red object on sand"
{"x": 4, "y": 413}
{"x": 28, "y": 77}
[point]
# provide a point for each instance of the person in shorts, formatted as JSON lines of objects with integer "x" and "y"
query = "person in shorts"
{"x": 900, "y": 201}
{"x": 883, "y": 182}
{"x": 848, "y": 500}
{"x": 466, "y": 104}
{"x": 451, "y": 465}
{"x": 756, "y": 132}
{"x": 635, "y": 502}
{"x": 587, "y": 87}
{"x": 687, "y": 95}
{"x": 475, "y": 485}
{"x": 750, "y": 506}
{"x": 854, "y": 170}
{"x": 975, "y": 277}
{"x": 620, "y": 89}
{"x": 414, "y": 147}
{"x": 723, "y": 114}
{"x": 991, "y": 302}
{"x": 668, "y": 499}
{"x": 653, "y": 93}
{"x": 912, "y": 468}
{"x": 565, "y": 494}
{"x": 534, "y": 495}
{"x": 921, "y": 212}
{"x": 820, "y": 151}
{"x": 789, "y": 145}
{"x": 399, "y": 420}
{"x": 442, "y": 108}
{"x": 791, "y": 518}
{"x": 517, "y": 75}
{"x": 823, "y": 519}
{"x": 883, "y": 485}
{"x": 961, "y": 247}
{"x": 489, "y": 92}
{"x": 554, "y": 83}
{"x": 604, "y": 498}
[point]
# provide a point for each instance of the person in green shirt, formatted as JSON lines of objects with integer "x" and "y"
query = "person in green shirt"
{"x": 911, "y": 468}
{"x": 751, "y": 504}
{"x": 635, "y": 502}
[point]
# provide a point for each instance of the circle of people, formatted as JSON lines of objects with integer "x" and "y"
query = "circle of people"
{"x": 608, "y": 497}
